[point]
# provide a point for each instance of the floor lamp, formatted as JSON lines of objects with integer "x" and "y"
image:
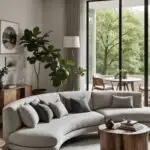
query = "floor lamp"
{"x": 72, "y": 43}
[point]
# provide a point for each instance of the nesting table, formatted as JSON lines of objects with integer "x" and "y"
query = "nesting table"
{"x": 117, "y": 139}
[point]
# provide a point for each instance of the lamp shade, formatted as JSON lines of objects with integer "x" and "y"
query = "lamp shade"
{"x": 71, "y": 42}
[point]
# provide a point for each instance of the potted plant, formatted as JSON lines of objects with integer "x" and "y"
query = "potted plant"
{"x": 124, "y": 74}
{"x": 60, "y": 68}
{"x": 57, "y": 65}
{"x": 34, "y": 41}
{"x": 3, "y": 71}
{"x": 45, "y": 52}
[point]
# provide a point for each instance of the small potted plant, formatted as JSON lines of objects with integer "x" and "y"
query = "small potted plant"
{"x": 124, "y": 74}
{"x": 3, "y": 71}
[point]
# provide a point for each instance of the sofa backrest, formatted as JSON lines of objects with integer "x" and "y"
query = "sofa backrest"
{"x": 103, "y": 99}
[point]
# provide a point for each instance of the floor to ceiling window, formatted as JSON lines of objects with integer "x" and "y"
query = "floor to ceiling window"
{"x": 103, "y": 39}
{"x": 116, "y": 45}
{"x": 133, "y": 42}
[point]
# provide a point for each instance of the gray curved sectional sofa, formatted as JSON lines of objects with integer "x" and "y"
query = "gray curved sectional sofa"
{"x": 50, "y": 136}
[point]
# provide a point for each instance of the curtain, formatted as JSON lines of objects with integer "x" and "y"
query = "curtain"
{"x": 76, "y": 26}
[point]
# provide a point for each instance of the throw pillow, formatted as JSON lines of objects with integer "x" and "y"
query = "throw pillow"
{"x": 122, "y": 101}
{"x": 58, "y": 108}
{"x": 79, "y": 105}
{"x": 29, "y": 116}
{"x": 67, "y": 103}
{"x": 44, "y": 112}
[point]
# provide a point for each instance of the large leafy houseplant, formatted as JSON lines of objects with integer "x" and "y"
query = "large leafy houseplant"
{"x": 43, "y": 51}
{"x": 34, "y": 41}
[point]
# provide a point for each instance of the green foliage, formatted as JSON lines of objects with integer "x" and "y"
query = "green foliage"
{"x": 34, "y": 41}
{"x": 108, "y": 39}
{"x": 3, "y": 71}
{"x": 45, "y": 52}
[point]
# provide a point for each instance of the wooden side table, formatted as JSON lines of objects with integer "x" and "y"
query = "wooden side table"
{"x": 8, "y": 95}
{"x": 2, "y": 144}
{"x": 123, "y": 139}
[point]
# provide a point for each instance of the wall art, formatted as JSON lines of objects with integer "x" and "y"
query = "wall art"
{"x": 8, "y": 37}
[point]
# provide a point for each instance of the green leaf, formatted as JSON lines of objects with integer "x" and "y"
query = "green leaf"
{"x": 36, "y": 31}
{"x": 47, "y": 66}
{"x": 51, "y": 47}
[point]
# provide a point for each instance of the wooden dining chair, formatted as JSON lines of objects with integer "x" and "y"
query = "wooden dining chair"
{"x": 99, "y": 84}
{"x": 142, "y": 88}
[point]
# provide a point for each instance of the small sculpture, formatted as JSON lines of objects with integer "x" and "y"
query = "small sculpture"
{"x": 109, "y": 124}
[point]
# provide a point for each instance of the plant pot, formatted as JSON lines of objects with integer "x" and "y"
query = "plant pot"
{"x": 38, "y": 91}
{"x": 1, "y": 85}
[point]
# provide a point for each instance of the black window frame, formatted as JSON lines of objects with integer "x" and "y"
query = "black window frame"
{"x": 146, "y": 47}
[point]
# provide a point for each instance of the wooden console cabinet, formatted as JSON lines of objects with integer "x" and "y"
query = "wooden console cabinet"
{"x": 8, "y": 95}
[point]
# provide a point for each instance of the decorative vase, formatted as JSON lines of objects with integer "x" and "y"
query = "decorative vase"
{"x": 109, "y": 124}
{"x": 124, "y": 76}
{"x": 1, "y": 84}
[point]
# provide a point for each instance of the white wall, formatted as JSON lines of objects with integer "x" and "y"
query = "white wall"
{"x": 28, "y": 13}
{"x": 54, "y": 19}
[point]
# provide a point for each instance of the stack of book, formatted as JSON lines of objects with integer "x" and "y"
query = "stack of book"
{"x": 130, "y": 125}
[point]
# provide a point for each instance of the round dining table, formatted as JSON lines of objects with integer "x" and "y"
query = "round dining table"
{"x": 125, "y": 82}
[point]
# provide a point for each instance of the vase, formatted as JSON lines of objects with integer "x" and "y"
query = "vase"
{"x": 109, "y": 124}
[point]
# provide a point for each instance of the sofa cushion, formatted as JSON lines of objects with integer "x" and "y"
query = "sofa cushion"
{"x": 57, "y": 107}
{"x": 76, "y": 105}
{"x": 28, "y": 115}
{"x": 44, "y": 112}
{"x": 66, "y": 96}
{"x": 117, "y": 114}
{"x": 122, "y": 102}
{"x": 103, "y": 99}
{"x": 79, "y": 105}
{"x": 49, "y": 134}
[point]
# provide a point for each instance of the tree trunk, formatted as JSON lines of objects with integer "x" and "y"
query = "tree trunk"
{"x": 37, "y": 73}
{"x": 105, "y": 62}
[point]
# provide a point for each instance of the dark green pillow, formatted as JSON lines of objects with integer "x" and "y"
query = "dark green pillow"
{"x": 67, "y": 103}
{"x": 44, "y": 112}
{"x": 79, "y": 105}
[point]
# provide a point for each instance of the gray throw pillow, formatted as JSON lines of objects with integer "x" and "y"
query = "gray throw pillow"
{"x": 79, "y": 105}
{"x": 66, "y": 102}
{"x": 29, "y": 116}
{"x": 58, "y": 108}
{"x": 122, "y": 101}
{"x": 44, "y": 112}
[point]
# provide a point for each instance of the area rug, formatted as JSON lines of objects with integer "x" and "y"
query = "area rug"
{"x": 82, "y": 143}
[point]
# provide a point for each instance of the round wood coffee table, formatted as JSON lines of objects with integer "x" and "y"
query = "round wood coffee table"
{"x": 117, "y": 139}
